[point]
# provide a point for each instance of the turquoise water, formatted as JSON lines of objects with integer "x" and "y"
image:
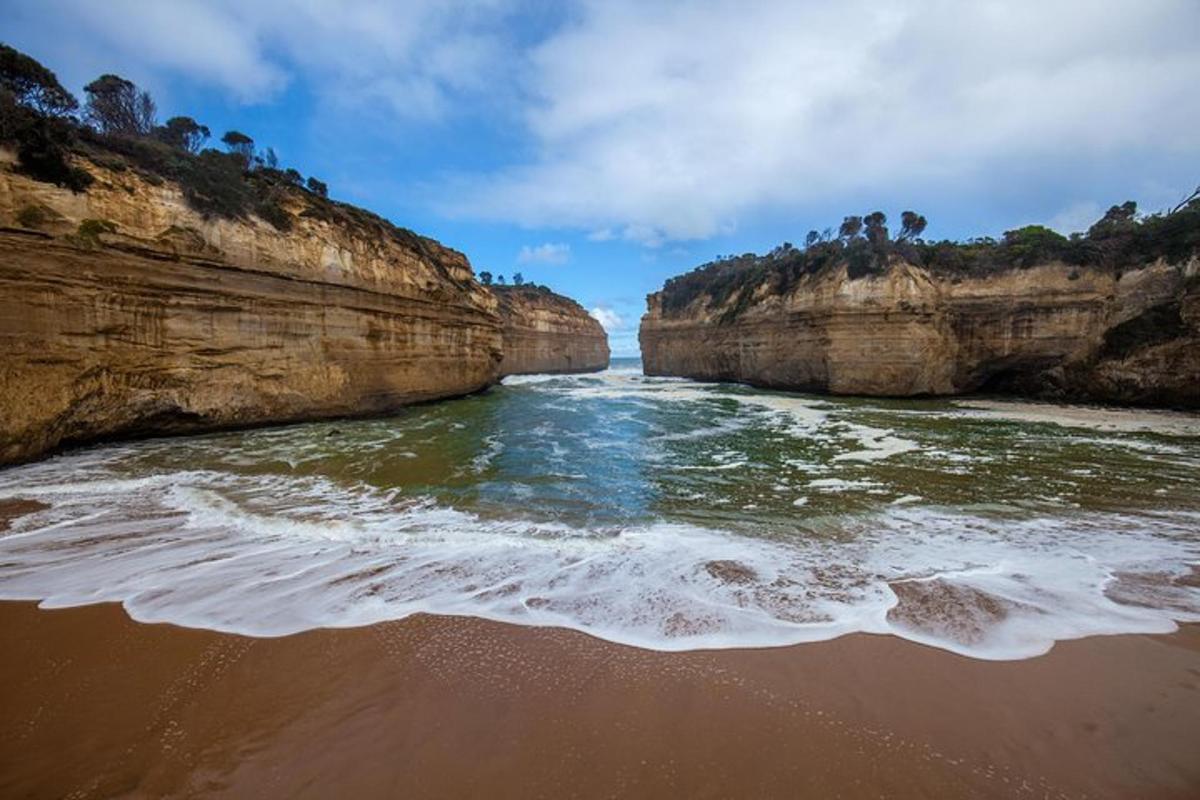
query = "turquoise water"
{"x": 657, "y": 512}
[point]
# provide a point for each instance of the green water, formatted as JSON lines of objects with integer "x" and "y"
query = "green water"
{"x": 603, "y": 502}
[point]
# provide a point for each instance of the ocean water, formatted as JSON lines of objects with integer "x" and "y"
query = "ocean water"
{"x": 661, "y": 513}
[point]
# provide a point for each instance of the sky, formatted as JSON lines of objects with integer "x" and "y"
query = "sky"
{"x": 602, "y": 147}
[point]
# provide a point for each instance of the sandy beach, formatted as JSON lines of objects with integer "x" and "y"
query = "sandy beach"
{"x": 97, "y": 705}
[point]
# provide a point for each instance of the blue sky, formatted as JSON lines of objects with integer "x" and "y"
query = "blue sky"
{"x": 601, "y": 147}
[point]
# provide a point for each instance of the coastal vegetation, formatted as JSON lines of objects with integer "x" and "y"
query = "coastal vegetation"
{"x": 487, "y": 279}
{"x": 116, "y": 128}
{"x": 1122, "y": 239}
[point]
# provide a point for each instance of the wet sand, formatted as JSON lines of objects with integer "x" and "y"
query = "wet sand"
{"x": 98, "y": 705}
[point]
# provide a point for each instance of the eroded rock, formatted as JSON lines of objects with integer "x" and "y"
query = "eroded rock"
{"x": 1050, "y": 331}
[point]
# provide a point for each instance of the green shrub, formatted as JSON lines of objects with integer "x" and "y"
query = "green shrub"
{"x": 317, "y": 187}
{"x": 1120, "y": 240}
{"x": 89, "y": 231}
{"x": 111, "y": 162}
{"x": 213, "y": 184}
{"x": 270, "y": 210}
{"x": 32, "y": 217}
{"x": 43, "y": 144}
{"x": 1033, "y": 244}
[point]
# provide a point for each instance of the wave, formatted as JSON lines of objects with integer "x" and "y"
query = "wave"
{"x": 271, "y": 555}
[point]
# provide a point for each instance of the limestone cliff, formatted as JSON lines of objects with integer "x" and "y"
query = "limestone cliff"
{"x": 1052, "y": 331}
{"x": 546, "y": 332}
{"x": 123, "y": 311}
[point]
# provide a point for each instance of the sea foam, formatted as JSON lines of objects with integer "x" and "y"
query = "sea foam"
{"x": 272, "y": 555}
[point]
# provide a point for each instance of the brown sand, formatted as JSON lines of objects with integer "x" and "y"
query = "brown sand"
{"x": 95, "y": 704}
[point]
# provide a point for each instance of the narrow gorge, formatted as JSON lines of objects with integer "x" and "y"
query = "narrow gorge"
{"x": 124, "y": 311}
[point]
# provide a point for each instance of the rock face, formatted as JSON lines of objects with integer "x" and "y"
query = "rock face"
{"x": 1051, "y": 331}
{"x": 124, "y": 312}
{"x": 546, "y": 332}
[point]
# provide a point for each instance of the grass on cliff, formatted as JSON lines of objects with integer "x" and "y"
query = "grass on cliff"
{"x": 1121, "y": 240}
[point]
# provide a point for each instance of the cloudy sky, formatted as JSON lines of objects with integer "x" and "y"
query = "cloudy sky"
{"x": 601, "y": 147}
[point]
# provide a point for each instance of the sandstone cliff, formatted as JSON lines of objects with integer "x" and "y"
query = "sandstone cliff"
{"x": 1051, "y": 331}
{"x": 125, "y": 312}
{"x": 546, "y": 332}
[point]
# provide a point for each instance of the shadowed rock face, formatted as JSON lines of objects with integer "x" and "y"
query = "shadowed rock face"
{"x": 1051, "y": 331}
{"x": 546, "y": 332}
{"x": 175, "y": 323}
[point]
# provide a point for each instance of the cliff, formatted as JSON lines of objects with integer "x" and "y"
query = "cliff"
{"x": 124, "y": 311}
{"x": 546, "y": 332}
{"x": 1052, "y": 330}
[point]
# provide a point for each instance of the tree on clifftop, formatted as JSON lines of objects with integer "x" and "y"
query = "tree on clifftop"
{"x": 239, "y": 144}
{"x": 876, "y": 228}
{"x": 184, "y": 133}
{"x": 518, "y": 279}
{"x": 115, "y": 106}
{"x": 485, "y": 278}
{"x": 1116, "y": 220}
{"x": 850, "y": 228}
{"x": 912, "y": 225}
{"x": 34, "y": 86}
{"x": 317, "y": 187}
{"x": 35, "y": 117}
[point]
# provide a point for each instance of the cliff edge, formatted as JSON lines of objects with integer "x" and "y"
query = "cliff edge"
{"x": 1048, "y": 329}
{"x": 547, "y": 332}
{"x": 124, "y": 311}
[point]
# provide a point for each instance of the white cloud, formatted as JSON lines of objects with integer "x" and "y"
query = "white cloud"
{"x": 548, "y": 253}
{"x": 654, "y": 122}
{"x": 414, "y": 58}
{"x": 607, "y": 318}
{"x": 672, "y": 121}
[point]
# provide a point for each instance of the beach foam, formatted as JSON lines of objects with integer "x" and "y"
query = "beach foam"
{"x": 269, "y": 556}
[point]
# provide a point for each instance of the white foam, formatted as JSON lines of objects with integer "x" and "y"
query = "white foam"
{"x": 1121, "y": 420}
{"x": 268, "y": 556}
{"x": 876, "y": 444}
{"x": 841, "y": 485}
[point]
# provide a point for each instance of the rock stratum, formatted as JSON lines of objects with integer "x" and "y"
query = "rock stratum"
{"x": 546, "y": 332}
{"x": 125, "y": 312}
{"x": 1052, "y": 331}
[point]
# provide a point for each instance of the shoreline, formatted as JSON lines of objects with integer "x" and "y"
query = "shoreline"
{"x": 428, "y": 706}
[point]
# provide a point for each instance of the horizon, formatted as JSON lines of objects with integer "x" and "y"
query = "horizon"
{"x": 603, "y": 148}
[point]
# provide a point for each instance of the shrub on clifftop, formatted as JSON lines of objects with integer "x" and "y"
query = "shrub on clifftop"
{"x": 35, "y": 117}
{"x": 117, "y": 131}
{"x": 1121, "y": 239}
